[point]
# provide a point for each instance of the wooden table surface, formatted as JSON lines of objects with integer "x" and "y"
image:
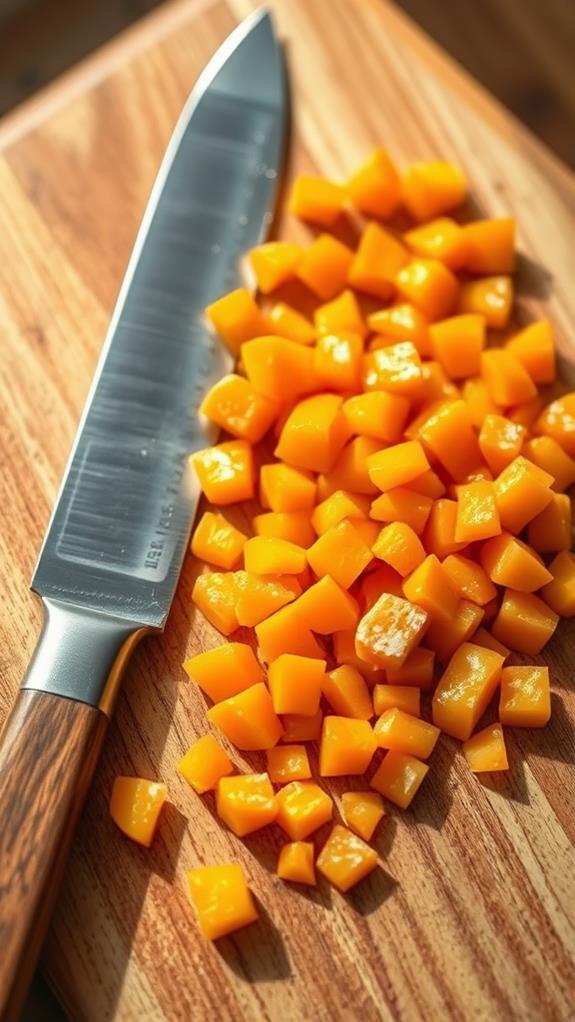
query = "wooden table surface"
{"x": 470, "y": 916}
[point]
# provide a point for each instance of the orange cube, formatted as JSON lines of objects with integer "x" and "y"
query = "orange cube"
{"x": 345, "y": 859}
{"x": 402, "y": 732}
{"x": 439, "y": 533}
{"x": 288, "y": 763}
{"x": 500, "y": 441}
{"x": 279, "y": 368}
{"x": 302, "y": 808}
{"x": 295, "y": 526}
{"x": 431, "y": 588}
{"x": 397, "y": 697}
{"x": 296, "y": 862}
{"x": 397, "y": 465}
{"x": 525, "y": 699}
{"x": 226, "y": 472}
{"x": 257, "y": 598}
{"x": 511, "y": 563}
{"x": 491, "y": 297}
{"x": 284, "y": 488}
{"x": 506, "y": 379}
{"x": 236, "y": 406}
{"x": 341, "y": 553}
{"x": 347, "y": 693}
{"x": 216, "y": 540}
{"x": 221, "y": 898}
{"x": 248, "y": 719}
{"x": 551, "y": 529}
{"x": 215, "y": 594}
{"x": 429, "y": 285}
{"x": 559, "y": 592}
{"x": 274, "y": 263}
{"x": 135, "y": 807}
{"x": 430, "y": 189}
{"x": 416, "y": 670}
{"x": 395, "y": 368}
{"x": 204, "y": 764}
{"x": 436, "y": 385}
{"x": 346, "y": 746}
{"x": 490, "y": 246}
{"x": 337, "y": 361}
{"x": 336, "y": 507}
{"x": 236, "y": 318}
{"x": 478, "y": 401}
{"x": 316, "y": 199}
{"x": 441, "y": 239}
{"x": 350, "y": 471}
{"x": 382, "y": 579}
{"x": 325, "y": 265}
{"x": 314, "y": 433}
{"x": 470, "y": 579}
{"x": 522, "y": 490}
{"x": 400, "y": 547}
{"x": 402, "y": 322}
{"x": 264, "y": 555}
{"x": 484, "y": 638}
{"x": 377, "y": 414}
{"x": 374, "y": 187}
{"x": 288, "y": 322}
{"x": 340, "y": 316}
{"x": 485, "y": 752}
{"x": 246, "y": 803}
{"x": 547, "y": 454}
{"x": 524, "y": 622}
{"x": 295, "y": 683}
{"x": 224, "y": 671}
{"x": 534, "y": 347}
{"x": 457, "y": 344}
{"x": 477, "y": 513}
{"x": 399, "y": 778}
{"x": 302, "y": 729}
{"x": 326, "y": 607}
{"x": 378, "y": 258}
{"x": 362, "y": 811}
{"x": 402, "y": 505}
{"x": 444, "y": 637}
{"x": 465, "y": 689}
{"x": 389, "y": 631}
{"x": 448, "y": 433}
{"x": 557, "y": 420}
{"x": 286, "y": 632}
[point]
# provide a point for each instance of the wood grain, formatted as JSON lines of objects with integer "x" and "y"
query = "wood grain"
{"x": 470, "y": 916}
{"x": 47, "y": 753}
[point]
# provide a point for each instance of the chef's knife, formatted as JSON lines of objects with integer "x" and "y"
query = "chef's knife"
{"x": 111, "y": 558}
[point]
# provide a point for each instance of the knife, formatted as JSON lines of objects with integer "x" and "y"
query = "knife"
{"x": 112, "y": 554}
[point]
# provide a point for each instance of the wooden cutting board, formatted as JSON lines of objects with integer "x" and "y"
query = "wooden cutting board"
{"x": 471, "y": 915}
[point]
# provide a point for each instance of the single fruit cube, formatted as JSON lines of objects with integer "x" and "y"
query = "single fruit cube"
{"x": 525, "y": 699}
{"x": 465, "y": 689}
{"x": 471, "y": 580}
{"x": 511, "y": 563}
{"x": 443, "y": 637}
{"x": 302, "y": 808}
{"x": 551, "y": 529}
{"x": 204, "y": 764}
{"x": 274, "y": 263}
{"x": 295, "y": 683}
{"x": 283, "y": 488}
{"x": 341, "y": 553}
{"x": 221, "y": 898}
{"x": 296, "y": 862}
{"x": 314, "y": 433}
{"x": 534, "y": 346}
{"x": 236, "y": 406}
{"x": 477, "y": 514}
{"x": 246, "y": 802}
{"x": 236, "y": 318}
{"x": 288, "y": 322}
{"x": 226, "y": 472}
{"x": 399, "y": 697}
{"x": 339, "y": 505}
{"x": 395, "y": 368}
{"x": 400, "y": 547}
{"x": 478, "y": 401}
{"x": 399, "y": 777}
{"x": 547, "y": 454}
{"x": 346, "y": 746}
{"x": 429, "y": 285}
{"x": 431, "y": 588}
{"x": 522, "y": 490}
{"x": 215, "y": 594}
{"x": 490, "y": 246}
{"x": 405, "y": 733}
{"x": 326, "y": 607}
{"x": 448, "y": 433}
{"x": 248, "y": 719}
{"x": 224, "y": 671}
{"x": 316, "y": 199}
{"x": 558, "y": 421}
{"x": 524, "y": 622}
{"x": 362, "y": 811}
{"x": 345, "y": 859}
{"x": 378, "y": 258}
{"x": 337, "y": 361}
{"x": 491, "y": 297}
{"x": 294, "y": 526}
{"x": 257, "y": 597}
{"x": 325, "y": 265}
{"x": 500, "y": 441}
{"x": 374, "y": 187}
{"x": 559, "y": 593}
{"x": 397, "y": 465}
{"x": 403, "y": 322}
{"x": 506, "y": 379}
{"x": 288, "y": 763}
{"x": 377, "y": 414}
{"x": 381, "y": 580}
{"x": 457, "y": 344}
{"x": 135, "y": 805}
{"x": 484, "y": 638}
{"x": 302, "y": 729}
{"x": 417, "y": 670}
{"x": 347, "y": 693}
{"x": 216, "y": 540}
{"x": 264, "y": 555}
{"x": 340, "y": 316}
{"x": 344, "y": 653}
{"x": 281, "y": 369}
{"x": 485, "y": 751}
{"x": 441, "y": 239}
{"x": 286, "y": 632}
{"x": 350, "y": 471}
{"x": 389, "y": 631}
{"x": 429, "y": 189}
{"x": 402, "y": 505}
{"x": 439, "y": 534}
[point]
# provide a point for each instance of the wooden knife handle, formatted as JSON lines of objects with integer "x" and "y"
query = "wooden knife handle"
{"x": 48, "y": 751}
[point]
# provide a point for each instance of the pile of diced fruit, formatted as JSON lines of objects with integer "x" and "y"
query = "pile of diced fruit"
{"x": 415, "y": 534}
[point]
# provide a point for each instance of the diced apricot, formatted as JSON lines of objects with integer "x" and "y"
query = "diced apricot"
{"x": 525, "y": 699}
{"x": 382, "y": 579}
{"x": 135, "y": 806}
{"x": 389, "y": 631}
{"x": 477, "y": 513}
{"x": 377, "y": 414}
{"x": 264, "y": 555}
{"x": 559, "y": 592}
{"x": 295, "y": 526}
{"x": 397, "y": 465}
{"x": 522, "y": 490}
{"x": 485, "y": 751}
{"x": 314, "y": 433}
{"x": 430, "y": 189}
{"x": 431, "y": 588}
{"x": 478, "y": 401}
{"x": 274, "y": 263}
{"x": 362, "y": 811}
{"x": 216, "y": 540}
{"x": 524, "y": 622}
{"x": 471, "y": 580}
{"x": 378, "y": 258}
{"x": 346, "y": 746}
{"x": 236, "y": 318}
{"x": 342, "y": 315}
{"x": 395, "y": 368}
{"x": 337, "y": 361}
{"x": 399, "y": 778}
{"x": 500, "y": 441}
{"x": 341, "y": 553}
{"x": 279, "y": 368}
{"x": 400, "y": 547}
{"x": 491, "y": 297}
{"x": 400, "y": 697}
{"x": 402, "y": 505}
{"x": 551, "y": 529}
{"x": 457, "y": 344}
{"x": 336, "y": 507}
{"x": 507, "y": 381}
{"x": 345, "y": 859}
{"x": 374, "y": 188}
{"x": 347, "y": 693}
{"x": 483, "y": 637}
{"x": 256, "y": 597}
{"x": 534, "y": 347}
{"x": 345, "y": 653}
{"x": 214, "y": 593}
{"x": 429, "y": 285}
{"x": 288, "y": 763}
{"x": 428, "y": 484}
{"x": 326, "y": 607}
{"x": 439, "y": 533}
{"x": 288, "y": 322}
{"x": 545, "y": 452}
{"x": 558, "y": 421}
{"x": 416, "y": 671}
{"x": 441, "y": 239}
{"x": 511, "y": 563}
{"x": 246, "y": 802}
{"x": 284, "y": 488}
{"x": 325, "y": 265}
{"x": 465, "y": 689}
{"x": 295, "y": 683}
{"x": 248, "y": 719}
{"x": 317, "y": 200}
{"x": 221, "y": 898}
{"x": 302, "y": 808}
{"x": 444, "y": 637}
{"x": 224, "y": 671}
{"x": 302, "y": 729}
{"x": 286, "y": 632}
{"x": 236, "y": 406}
{"x": 402, "y": 732}
{"x": 350, "y": 471}
{"x": 296, "y": 862}
{"x": 226, "y": 472}
{"x": 490, "y": 245}
{"x": 204, "y": 764}
{"x": 448, "y": 433}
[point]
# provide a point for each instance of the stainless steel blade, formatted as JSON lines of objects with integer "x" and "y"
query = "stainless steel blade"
{"x": 118, "y": 533}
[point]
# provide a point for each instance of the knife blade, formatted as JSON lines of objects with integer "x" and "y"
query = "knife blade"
{"x": 112, "y": 554}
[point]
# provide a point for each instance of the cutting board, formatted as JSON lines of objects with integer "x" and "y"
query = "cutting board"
{"x": 470, "y": 916}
